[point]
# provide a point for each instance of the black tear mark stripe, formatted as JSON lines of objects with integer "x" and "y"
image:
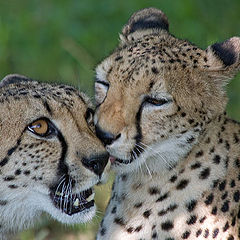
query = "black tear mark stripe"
{"x": 62, "y": 167}
{"x": 138, "y": 136}
{"x": 10, "y": 152}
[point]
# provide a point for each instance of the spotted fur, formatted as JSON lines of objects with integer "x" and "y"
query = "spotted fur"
{"x": 31, "y": 165}
{"x": 161, "y": 114}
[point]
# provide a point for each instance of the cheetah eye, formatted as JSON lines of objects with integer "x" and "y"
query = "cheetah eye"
{"x": 156, "y": 102}
{"x": 41, "y": 127}
{"x": 101, "y": 89}
{"x": 89, "y": 116}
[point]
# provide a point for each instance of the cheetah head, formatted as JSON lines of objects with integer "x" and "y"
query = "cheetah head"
{"x": 156, "y": 94}
{"x": 50, "y": 158}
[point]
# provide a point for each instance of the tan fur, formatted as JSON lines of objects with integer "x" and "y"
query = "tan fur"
{"x": 180, "y": 178}
{"x": 30, "y": 164}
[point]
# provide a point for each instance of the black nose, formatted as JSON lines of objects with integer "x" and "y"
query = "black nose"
{"x": 106, "y": 137}
{"x": 96, "y": 163}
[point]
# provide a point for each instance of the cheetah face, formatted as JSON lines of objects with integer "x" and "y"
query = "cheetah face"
{"x": 50, "y": 156}
{"x": 155, "y": 94}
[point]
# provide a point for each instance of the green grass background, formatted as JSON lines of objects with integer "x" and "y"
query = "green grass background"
{"x": 63, "y": 40}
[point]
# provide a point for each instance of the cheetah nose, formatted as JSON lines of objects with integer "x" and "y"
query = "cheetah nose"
{"x": 107, "y": 138}
{"x": 96, "y": 163}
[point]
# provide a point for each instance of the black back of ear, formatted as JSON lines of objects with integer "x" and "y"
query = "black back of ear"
{"x": 148, "y": 18}
{"x": 13, "y": 78}
{"x": 228, "y": 52}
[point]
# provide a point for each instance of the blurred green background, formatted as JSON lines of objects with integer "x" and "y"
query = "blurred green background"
{"x": 63, "y": 40}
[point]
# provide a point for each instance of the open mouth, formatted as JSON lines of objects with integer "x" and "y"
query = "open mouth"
{"x": 68, "y": 202}
{"x": 114, "y": 160}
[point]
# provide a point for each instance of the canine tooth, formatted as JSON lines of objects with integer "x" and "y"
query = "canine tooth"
{"x": 91, "y": 197}
{"x": 76, "y": 203}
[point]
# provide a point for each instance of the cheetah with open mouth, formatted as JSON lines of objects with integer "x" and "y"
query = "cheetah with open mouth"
{"x": 50, "y": 157}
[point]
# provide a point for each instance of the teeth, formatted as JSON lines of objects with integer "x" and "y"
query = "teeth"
{"x": 76, "y": 203}
{"x": 91, "y": 197}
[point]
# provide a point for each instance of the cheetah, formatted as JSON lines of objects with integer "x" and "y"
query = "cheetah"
{"x": 50, "y": 156}
{"x": 161, "y": 116}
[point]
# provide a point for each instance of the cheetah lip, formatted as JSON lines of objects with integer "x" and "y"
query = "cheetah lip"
{"x": 68, "y": 202}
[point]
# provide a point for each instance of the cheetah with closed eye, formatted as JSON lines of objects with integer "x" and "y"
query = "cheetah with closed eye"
{"x": 161, "y": 115}
{"x": 50, "y": 157}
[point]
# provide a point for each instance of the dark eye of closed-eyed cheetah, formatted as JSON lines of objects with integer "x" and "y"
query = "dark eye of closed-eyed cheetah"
{"x": 161, "y": 115}
{"x": 50, "y": 157}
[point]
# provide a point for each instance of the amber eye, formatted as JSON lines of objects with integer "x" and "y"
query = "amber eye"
{"x": 40, "y": 127}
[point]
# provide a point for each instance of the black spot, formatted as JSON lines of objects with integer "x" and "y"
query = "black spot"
{"x": 214, "y": 210}
{"x": 206, "y": 233}
{"x": 154, "y": 70}
{"x": 236, "y": 196}
{"x": 27, "y": 172}
{"x": 204, "y": 173}
{"x": 124, "y": 177}
{"x": 224, "y": 196}
{"x": 196, "y": 165}
{"x": 215, "y": 233}
{"x": 12, "y": 186}
{"x": 118, "y": 58}
{"x": 147, "y": 213}
{"x": 4, "y": 162}
{"x": 154, "y": 235}
{"x": 222, "y": 185}
{"x": 209, "y": 199}
{"x": 103, "y": 231}
{"x": 138, "y": 205}
{"x": 18, "y": 172}
{"x": 166, "y": 226}
{"x": 130, "y": 230}
{"x": 182, "y": 184}
{"x": 163, "y": 197}
{"x": 199, "y": 232}
{"x": 173, "y": 178}
{"x": 183, "y": 114}
{"x": 186, "y": 234}
{"x": 216, "y": 159}
{"x": 191, "y": 205}
{"x": 202, "y": 219}
{"x": 3, "y": 202}
{"x": 8, "y": 178}
{"x": 225, "y": 206}
{"x": 153, "y": 190}
{"x": 46, "y": 105}
{"x": 199, "y": 154}
{"x": 232, "y": 184}
{"x": 226, "y": 227}
{"x": 119, "y": 221}
{"x": 192, "y": 220}
{"x": 114, "y": 209}
{"x": 138, "y": 229}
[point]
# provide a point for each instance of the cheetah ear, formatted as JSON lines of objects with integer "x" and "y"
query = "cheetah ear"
{"x": 13, "y": 78}
{"x": 148, "y": 19}
{"x": 224, "y": 58}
